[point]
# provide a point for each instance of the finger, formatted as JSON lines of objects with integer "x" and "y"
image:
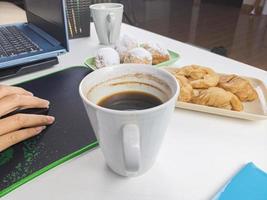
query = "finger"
{"x": 12, "y": 138}
{"x": 6, "y": 90}
{"x": 19, "y": 121}
{"x": 16, "y": 101}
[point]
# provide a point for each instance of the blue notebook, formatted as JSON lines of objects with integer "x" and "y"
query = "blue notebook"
{"x": 250, "y": 183}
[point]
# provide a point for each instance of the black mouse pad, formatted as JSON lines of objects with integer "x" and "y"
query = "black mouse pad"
{"x": 69, "y": 136}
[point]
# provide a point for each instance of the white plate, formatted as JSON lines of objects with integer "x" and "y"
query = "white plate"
{"x": 255, "y": 110}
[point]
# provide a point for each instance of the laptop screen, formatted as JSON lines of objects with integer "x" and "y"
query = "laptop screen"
{"x": 49, "y": 15}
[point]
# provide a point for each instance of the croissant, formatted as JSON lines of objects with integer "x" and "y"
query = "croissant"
{"x": 186, "y": 89}
{"x": 238, "y": 86}
{"x": 217, "y": 97}
{"x": 200, "y": 77}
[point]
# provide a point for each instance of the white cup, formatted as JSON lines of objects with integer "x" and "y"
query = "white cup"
{"x": 107, "y": 18}
{"x": 129, "y": 140}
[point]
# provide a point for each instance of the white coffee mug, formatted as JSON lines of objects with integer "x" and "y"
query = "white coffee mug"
{"x": 130, "y": 140}
{"x": 107, "y": 19}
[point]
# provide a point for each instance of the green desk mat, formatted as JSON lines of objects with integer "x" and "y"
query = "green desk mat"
{"x": 69, "y": 136}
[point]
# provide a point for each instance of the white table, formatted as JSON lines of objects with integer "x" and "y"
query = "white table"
{"x": 199, "y": 154}
{"x": 11, "y": 13}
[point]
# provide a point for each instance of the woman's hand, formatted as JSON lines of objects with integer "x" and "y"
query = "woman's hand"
{"x": 18, "y": 127}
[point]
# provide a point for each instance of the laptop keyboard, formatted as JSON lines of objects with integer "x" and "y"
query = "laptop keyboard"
{"x": 14, "y": 42}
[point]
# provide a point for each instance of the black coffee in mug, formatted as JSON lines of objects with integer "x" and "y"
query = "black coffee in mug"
{"x": 130, "y": 100}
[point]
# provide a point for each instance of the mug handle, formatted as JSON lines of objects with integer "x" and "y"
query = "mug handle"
{"x": 131, "y": 147}
{"x": 111, "y": 21}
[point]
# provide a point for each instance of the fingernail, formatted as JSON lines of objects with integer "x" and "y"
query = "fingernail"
{"x": 47, "y": 103}
{"x": 31, "y": 94}
{"x": 50, "y": 119}
{"x": 40, "y": 129}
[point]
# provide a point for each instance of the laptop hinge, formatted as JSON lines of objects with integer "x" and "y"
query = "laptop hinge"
{"x": 44, "y": 35}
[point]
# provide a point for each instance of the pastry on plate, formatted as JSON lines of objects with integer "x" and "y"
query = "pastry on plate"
{"x": 185, "y": 87}
{"x": 159, "y": 54}
{"x": 217, "y": 97}
{"x": 106, "y": 56}
{"x": 200, "y": 77}
{"x": 239, "y": 86}
{"x": 139, "y": 56}
{"x": 125, "y": 44}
